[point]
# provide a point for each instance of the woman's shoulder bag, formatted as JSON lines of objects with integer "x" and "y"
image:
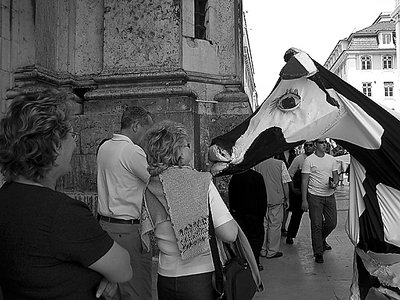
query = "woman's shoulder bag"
{"x": 233, "y": 280}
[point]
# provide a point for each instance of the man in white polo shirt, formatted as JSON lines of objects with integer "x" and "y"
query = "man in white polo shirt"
{"x": 121, "y": 178}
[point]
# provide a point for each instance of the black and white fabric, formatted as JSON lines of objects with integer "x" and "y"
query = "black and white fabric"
{"x": 310, "y": 102}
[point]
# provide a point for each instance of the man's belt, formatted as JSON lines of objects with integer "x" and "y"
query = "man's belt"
{"x": 118, "y": 221}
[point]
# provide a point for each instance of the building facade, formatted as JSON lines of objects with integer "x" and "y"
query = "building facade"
{"x": 367, "y": 60}
{"x": 180, "y": 59}
{"x": 249, "y": 84}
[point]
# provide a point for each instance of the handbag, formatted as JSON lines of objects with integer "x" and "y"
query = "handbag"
{"x": 233, "y": 280}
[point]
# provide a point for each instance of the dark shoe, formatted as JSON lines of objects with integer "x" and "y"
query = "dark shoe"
{"x": 284, "y": 232}
{"x": 263, "y": 253}
{"x": 289, "y": 240}
{"x": 260, "y": 267}
{"x": 327, "y": 247}
{"x": 319, "y": 259}
{"x": 277, "y": 254}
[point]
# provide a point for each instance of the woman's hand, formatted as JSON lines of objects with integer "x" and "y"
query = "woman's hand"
{"x": 106, "y": 288}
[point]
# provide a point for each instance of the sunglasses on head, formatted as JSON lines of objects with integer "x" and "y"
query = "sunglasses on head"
{"x": 308, "y": 145}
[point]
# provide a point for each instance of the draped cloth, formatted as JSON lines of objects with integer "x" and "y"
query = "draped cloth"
{"x": 310, "y": 102}
{"x": 179, "y": 195}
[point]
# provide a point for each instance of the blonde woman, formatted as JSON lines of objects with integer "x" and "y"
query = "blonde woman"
{"x": 176, "y": 210}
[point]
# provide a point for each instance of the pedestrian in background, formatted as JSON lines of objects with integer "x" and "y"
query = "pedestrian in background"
{"x": 176, "y": 209}
{"x": 287, "y": 157}
{"x": 276, "y": 179}
{"x": 121, "y": 178}
{"x": 319, "y": 180}
{"x": 248, "y": 205}
{"x": 295, "y": 191}
{"x": 51, "y": 245}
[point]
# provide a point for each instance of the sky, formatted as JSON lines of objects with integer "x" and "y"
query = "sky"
{"x": 314, "y": 26}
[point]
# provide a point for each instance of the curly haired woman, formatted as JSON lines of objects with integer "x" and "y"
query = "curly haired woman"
{"x": 51, "y": 245}
{"x": 176, "y": 209}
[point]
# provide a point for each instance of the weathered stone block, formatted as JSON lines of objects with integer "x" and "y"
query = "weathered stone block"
{"x": 93, "y": 129}
{"x": 46, "y": 42}
{"x": 88, "y": 37}
{"x": 5, "y": 54}
{"x": 200, "y": 55}
{"x": 23, "y": 34}
{"x": 91, "y": 199}
{"x": 5, "y": 19}
{"x": 82, "y": 177}
{"x": 141, "y": 35}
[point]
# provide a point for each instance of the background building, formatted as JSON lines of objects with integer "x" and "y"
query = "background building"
{"x": 249, "y": 84}
{"x": 184, "y": 60}
{"x": 367, "y": 60}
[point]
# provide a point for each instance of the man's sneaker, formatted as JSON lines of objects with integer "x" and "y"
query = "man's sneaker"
{"x": 277, "y": 254}
{"x": 326, "y": 246}
{"x": 319, "y": 259}
{"x": 289, "y": 240}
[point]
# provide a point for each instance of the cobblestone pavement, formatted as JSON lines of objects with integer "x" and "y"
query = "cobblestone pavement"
{"x": 296, "y": 275}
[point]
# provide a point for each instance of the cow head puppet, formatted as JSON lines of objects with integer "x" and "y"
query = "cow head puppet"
{"x": 310, "y": 102}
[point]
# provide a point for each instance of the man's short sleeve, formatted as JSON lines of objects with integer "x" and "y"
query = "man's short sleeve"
{"x": 306, "y": 168}
{"x": 285, "y": 174}
{"x": 134, "y": 159}
{"x": 77, "y": 236}
{"x": 295, "y": 166}
{"x": 334, "y": 164}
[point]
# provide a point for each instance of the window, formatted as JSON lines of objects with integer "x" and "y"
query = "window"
{"x": 387, "y": 61}
{"x": 388, "y": 86}
{"x": 365, "y": 62}
{"x": 367, "y": 88}
{"x": 386, "y": 38}
{"x": 200, "y": 10}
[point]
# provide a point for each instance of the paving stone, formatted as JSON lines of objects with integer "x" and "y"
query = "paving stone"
{"x": 296, "y": 275}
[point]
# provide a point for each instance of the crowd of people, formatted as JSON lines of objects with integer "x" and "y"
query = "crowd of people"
{"x": 148, "y": 192}
{"x": 298, "y": 183}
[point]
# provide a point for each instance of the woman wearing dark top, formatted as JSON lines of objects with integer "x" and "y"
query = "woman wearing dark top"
{"x": 51, "y": 245}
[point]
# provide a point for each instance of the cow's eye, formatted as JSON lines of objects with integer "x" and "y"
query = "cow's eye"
{"x": 288, "y": 101}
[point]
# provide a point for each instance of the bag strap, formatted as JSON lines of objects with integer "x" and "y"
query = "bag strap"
{"x": 239, "y": 249}
{"x": 234, "y": 249}
{"x": 219, "y": 279}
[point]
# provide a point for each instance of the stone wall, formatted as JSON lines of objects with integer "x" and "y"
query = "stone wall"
{"x": 115, "y": 54}
{"x": 141, "y": 35}
{"x": 17, "y": 44}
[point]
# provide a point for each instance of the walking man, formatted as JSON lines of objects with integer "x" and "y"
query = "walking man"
{"x": 276, "y": 178}
{"x": 319, "y": 179}
{"x": 121, "y": 178}
{"x": 295, "y": 191}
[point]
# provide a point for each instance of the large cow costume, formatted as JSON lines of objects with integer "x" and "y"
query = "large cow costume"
{"x": 310, "y": 102}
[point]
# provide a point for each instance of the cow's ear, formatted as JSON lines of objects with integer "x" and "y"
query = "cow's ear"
{"x": 299, "y": 65}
